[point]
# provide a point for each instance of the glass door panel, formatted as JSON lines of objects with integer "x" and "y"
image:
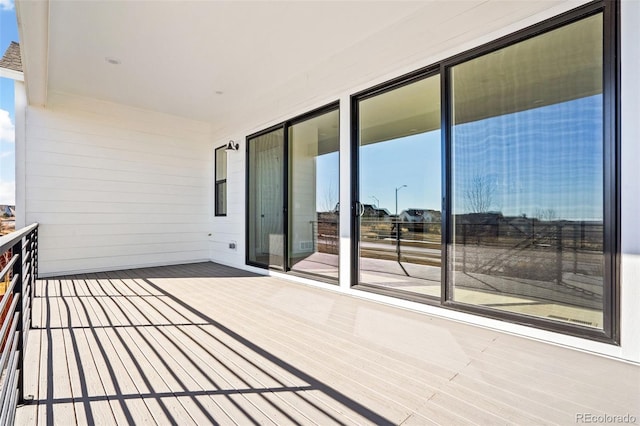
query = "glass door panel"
{"x": 527, "y": 177}
{"x": 313, "y": 195}
{"x": 399, "y": 189}
{"x": 266, "y": 199}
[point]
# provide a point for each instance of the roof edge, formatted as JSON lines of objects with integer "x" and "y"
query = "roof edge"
{"x": 33, "y": 28}
{"x": 11, "y": 74}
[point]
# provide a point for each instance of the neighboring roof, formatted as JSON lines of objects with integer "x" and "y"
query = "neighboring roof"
{"x": 12, "y": 59}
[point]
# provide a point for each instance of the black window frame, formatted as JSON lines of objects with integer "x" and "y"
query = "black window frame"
{"x": 396, "y": 83}
{"x": 610, "y": 333}
{"x": 284, "y": 125}
{"x": 217, "y": 182}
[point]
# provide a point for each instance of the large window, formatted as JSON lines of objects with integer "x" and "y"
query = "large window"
{"x": 486, "y": 183}
{"x": 501, "y": 201}
{"x": 527, "y": 175}
{"x": 220, "y": 199}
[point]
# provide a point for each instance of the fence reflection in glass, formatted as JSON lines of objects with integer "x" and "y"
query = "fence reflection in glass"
{"x": 527, "y": 177}
{"x": 314, "y": 172}
{"x": 399, "y": 187}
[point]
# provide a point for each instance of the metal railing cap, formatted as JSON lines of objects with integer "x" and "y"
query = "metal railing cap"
{"x": 9, "y": 240}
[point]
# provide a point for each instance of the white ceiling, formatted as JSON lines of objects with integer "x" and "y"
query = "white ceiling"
{"x": 175, "y": 55}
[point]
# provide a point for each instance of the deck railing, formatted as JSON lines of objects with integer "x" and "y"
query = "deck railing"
{"x": 19, "y": 270}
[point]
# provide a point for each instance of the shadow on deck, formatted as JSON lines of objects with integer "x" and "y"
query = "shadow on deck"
{"x": 209, "y": 344}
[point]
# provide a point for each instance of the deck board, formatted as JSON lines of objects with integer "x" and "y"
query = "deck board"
{"x": 208, "y": 344}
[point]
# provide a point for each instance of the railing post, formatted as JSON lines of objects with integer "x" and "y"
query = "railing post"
{"x": 18, "y": 291}
{"x": 35, "y": 255}
{"x": 31, "y": 284}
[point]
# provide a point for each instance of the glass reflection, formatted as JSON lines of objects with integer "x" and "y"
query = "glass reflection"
{"x": 266, "y": 234}
{"x": 527, "y": 177}
{"x": 221, "y": 182}
{"x": 399, "y": 188}
{"x": 314, "y": 166}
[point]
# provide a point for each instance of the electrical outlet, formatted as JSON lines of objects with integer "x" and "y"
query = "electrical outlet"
{"x": 232, "y": 245}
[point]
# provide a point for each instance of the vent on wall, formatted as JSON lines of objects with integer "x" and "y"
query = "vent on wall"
{"x": 306, "y": 245}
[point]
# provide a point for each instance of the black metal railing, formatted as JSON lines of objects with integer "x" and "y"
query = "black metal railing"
{"x": 324, "y": 235}
{"x": 19, "y": 271}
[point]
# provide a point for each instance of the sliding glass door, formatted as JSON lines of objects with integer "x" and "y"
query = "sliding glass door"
{"x": 293, "y": 193}
{"x": 527, "y": 175}
{"x": 266, "y": 199}
{"x": 399, "y": 188}
{"x": 313, "y": 195}
{"x": 485, "y": 183}
{"x": 524, "y": 231}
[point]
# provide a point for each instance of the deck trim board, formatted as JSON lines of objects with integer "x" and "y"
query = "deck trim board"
{"x": 208, "y": 344}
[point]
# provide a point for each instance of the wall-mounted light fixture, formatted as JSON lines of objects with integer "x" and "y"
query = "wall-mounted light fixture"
{"x": 232, "y": 146}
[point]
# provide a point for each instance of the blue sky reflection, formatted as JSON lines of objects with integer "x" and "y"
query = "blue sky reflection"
{"x": 542, "y": 159}
{"x": 547, "y": 159}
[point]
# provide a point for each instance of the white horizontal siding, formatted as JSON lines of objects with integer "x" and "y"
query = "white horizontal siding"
{"x": 116, "y": 187}
{"x": 135, "y": 230}
{"x": 125, "y": 250}
{"x": 113, "y": 263}
{"x": 72, "y": 184}
{"x": 231, "y": 228}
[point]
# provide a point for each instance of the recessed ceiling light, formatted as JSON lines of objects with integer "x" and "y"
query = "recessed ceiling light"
{"x": 112, "y": 61}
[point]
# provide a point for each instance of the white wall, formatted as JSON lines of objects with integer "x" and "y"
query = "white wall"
{"x": 630, "y": 197}
{"x": 115, "y": 187}
{"x": 20, "y": 100}
{"x": 397, "y": 58}
{"x": 303, "y": 186}
{"x": 230, "y": 228}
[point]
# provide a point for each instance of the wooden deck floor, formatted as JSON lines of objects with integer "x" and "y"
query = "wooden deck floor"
{"x": 208, "y": 344}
